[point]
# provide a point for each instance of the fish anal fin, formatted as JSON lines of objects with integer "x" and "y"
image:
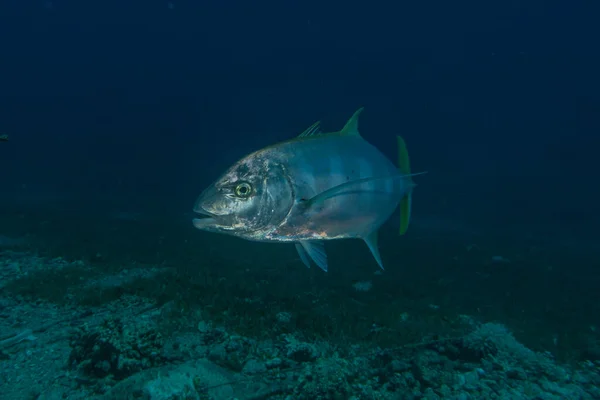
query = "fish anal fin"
{"x": 371, "y": 241}
{"x": 316, "y": 251}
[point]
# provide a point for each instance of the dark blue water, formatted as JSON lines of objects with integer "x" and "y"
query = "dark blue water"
{"x": 120, "y": 113}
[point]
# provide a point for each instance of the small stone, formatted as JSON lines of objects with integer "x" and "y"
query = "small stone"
{"x": 274, "y": 363}
{"x": 471, "y": 378}
{"x": 217, "y": 353}
{"x": 283, "y": 317}
{"x": 302, "y": 352}
{"x": 203, "y": 327}
{"x": 253, "y": 367}
{"x": 460, "y": 381}
{"x": 516, "y": 374}
{"x": 399, "y": 366}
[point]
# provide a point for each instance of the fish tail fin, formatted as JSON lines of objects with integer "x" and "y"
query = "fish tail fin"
{"x": 406, "y": 202}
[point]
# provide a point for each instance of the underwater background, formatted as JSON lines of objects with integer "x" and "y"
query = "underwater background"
{"x": 118, "y": 115}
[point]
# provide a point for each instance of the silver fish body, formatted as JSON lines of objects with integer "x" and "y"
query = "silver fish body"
{"x": 317, "y": 187}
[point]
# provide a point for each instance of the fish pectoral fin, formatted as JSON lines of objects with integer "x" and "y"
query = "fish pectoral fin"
{"x": 353, "y": 187}
{"x": 371, "y": 241}
{"x": 345, "y": 188}
{"x": 303, "y": 255}
{"x": 315, "y": 249}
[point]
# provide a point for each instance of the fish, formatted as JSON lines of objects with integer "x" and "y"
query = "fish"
{"x": 315, "y": 187}
{"x": 4, "y": 138}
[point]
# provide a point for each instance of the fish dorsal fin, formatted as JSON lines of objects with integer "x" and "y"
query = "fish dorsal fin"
{"x": 371, "y": 241}
{"x": 351, "y": 127}
{"x": 313, "y": 130}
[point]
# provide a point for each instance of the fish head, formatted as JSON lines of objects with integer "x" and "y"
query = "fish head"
{"x": 250, "y": 198}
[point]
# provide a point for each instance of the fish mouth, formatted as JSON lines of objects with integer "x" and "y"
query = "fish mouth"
{"x": 204, "y": 220}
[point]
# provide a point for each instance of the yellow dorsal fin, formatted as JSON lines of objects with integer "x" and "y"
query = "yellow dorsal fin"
{"x": 314, "y": 129}
{"x": 351, "y": 127}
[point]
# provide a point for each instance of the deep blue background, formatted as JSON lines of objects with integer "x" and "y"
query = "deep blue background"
{"x": 498, "y": 100}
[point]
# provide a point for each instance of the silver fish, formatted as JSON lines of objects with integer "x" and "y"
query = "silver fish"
{"x": 316, "y": 187}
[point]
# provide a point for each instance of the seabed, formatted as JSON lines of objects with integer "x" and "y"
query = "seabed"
{"x": 119, "y": 305}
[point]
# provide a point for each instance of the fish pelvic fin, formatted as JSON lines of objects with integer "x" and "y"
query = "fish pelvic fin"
{"x": 351, "y": 127}
{"x": 406, "y": 202}
{"x": 315, "y": 249}
{"x": 303, "y": 255}
{"x": 371, "y": 241}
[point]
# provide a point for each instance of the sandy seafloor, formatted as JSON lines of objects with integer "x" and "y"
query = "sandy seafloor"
{"x": 128, "y": 307}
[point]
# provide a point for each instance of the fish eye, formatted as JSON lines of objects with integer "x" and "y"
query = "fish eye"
{"x": 243, "y": 190}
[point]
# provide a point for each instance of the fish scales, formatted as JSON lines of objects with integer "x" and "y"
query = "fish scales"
{"x": 316, "y": 165}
